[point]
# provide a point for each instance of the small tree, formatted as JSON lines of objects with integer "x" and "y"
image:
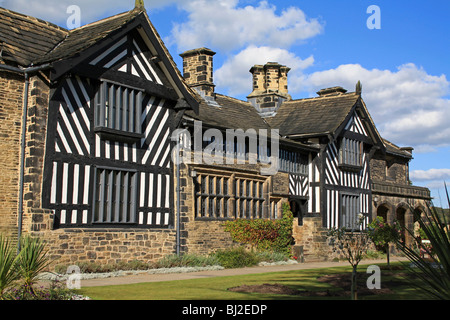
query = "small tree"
{"x": 382, "y": 234}
{"x": 353, "y": 244}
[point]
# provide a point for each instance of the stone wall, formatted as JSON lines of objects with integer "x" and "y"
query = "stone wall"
{"x": 378, "y": 169}
{"x": 11, "y": 93}
{"x": 11, "y": 107}
{"x": 204, "y": 236}
{"x": 394, "y": 170}
{"x": 35, "y": 218}
{"x": 107, "y": 246}
{"x": 313, "y": 238}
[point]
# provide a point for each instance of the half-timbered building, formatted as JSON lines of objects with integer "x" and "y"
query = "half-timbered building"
{"x": 110, "y": 153}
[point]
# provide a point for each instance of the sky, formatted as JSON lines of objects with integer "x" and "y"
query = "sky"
{"x": 399, "y": 50}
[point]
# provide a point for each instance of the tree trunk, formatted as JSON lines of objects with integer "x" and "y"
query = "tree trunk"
{"x": 387, "y": 254}
{"x": 354, "y": 289}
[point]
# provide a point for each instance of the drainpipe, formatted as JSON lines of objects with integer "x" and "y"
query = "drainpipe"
{"x": 180, "y": 107}
{"x": 178, "y": 194}
{"x": 22, "y": 158}
{"x": 26, "y": 72}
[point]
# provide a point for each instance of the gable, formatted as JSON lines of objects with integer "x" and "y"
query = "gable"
{"x": 355, "y": 125}
{"x": 131, "y": 56}
{"x": 358, "y": 124}
{"x": 126, "y": 49}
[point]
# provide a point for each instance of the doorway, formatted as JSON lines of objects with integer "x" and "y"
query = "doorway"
{"x": 299, "y": 208}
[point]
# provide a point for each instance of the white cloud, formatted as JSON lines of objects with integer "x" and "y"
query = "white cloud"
{"x": 435, "y": 180}
{"x": 56, "y": 11}
{"x": 225, "y": 26}
{"x": 234, "y": 76}
{"x": 431, "y": 174}
{"x": 408, "y": 105}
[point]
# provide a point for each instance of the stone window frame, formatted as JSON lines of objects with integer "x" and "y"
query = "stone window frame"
{"x": 275, "y": 207}
{"x": 236, "y": 203}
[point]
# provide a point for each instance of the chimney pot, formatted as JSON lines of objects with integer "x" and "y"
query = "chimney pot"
{"x": 333, "y": 91}
{"x": 270, "y": 87}
{"x": 198, "y": 70}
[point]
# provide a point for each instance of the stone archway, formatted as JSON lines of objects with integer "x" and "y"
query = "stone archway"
{"x": 384, "y": 209}
{"x": 404, "y": 216}
{"x": 384, "y": 212}
{"x": 400, "y": 216}
{"x": 418, "y": 213}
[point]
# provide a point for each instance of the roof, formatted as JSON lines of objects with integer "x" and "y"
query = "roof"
{"x": 229, "y": 113}
{"x": 28, "y": 41}
{"x": 23, "y": 38}
{"x": 313, "y": 116}
{"x": 396, "y": 150}
{"x": 86, "y": 36}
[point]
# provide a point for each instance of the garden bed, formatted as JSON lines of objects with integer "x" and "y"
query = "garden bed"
{"x": 341, "y": 283}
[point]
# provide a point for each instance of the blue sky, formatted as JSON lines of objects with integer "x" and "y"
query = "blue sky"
{"x": 403, "y": 66}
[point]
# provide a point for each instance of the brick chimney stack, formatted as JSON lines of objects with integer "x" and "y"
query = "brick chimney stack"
{"x": 270, "y": 88}
{"x": 198, "y": 70}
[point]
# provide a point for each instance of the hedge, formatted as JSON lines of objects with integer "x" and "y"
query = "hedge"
{"x": 264, "y": 234}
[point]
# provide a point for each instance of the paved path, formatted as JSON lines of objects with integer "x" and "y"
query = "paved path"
{"x": 129, "y": 279}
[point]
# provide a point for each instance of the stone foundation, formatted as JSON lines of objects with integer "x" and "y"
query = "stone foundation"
{"x": 313, "y": 237}
{"x": 206, "y": 237}
{"x": 106, "y": 246}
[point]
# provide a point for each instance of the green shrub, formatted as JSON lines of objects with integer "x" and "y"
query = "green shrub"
{"x": 271, "y": 256}
{"x": 236, "y": 258}
{"x": 92, "y": 267}
{"x": 186, "y": 260}
{"x": 263, "y": 234}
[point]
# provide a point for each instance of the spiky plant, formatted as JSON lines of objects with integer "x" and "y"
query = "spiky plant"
{"x": 32, "y": 260}
{"x": 8, "y": 270}
{"x": 434, "y": 274}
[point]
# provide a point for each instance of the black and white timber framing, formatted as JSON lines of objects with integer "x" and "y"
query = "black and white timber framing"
{"x": 99, "y": 172}
{"x": 346, "y": 188}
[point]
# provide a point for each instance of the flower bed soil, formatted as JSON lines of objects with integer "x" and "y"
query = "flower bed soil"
{"x": 342, "y": 283}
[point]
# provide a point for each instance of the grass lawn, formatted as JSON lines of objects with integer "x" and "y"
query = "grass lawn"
{"x": 217, "y": 288}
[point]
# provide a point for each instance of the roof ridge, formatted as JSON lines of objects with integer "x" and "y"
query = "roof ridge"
{"x": 233, "y": 98}
{"x": 322, "y": 98}
{"x": 105, "y": 19}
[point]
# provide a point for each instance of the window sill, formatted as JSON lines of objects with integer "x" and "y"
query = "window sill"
{"x": 113, "y": 134}
{"x": 349, "y": 167}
